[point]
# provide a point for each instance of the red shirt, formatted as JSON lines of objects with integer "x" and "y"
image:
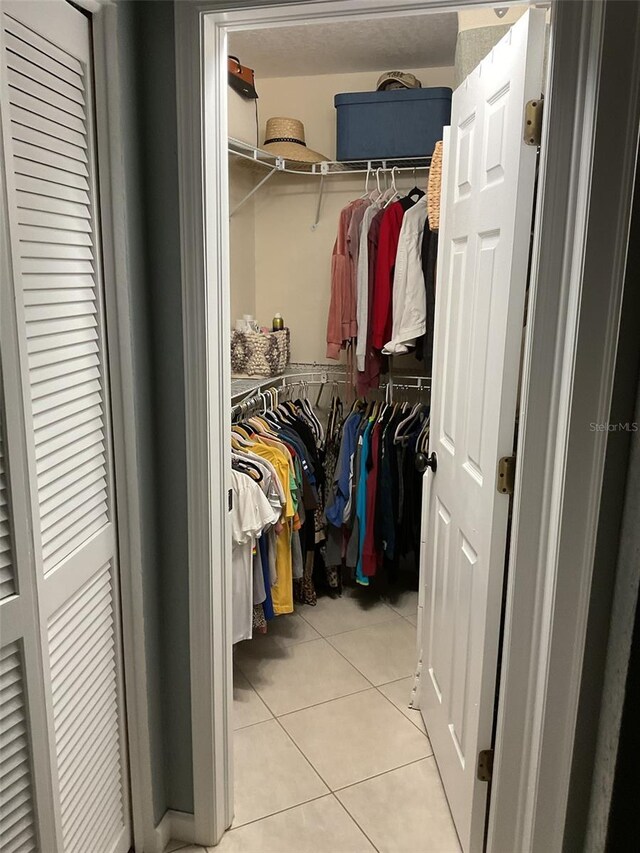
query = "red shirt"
{"x": 381, "y": 315}
{"x": 369, "y": 378}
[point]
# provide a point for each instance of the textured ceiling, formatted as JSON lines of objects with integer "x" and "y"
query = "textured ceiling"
{"x": 420, "y": 41}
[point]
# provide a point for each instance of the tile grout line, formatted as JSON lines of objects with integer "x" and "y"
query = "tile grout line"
{"x": 425, "y": 732}
{"x": 351, "y": 817}
{"x": 279, "y": 811}
{"x": 322, "y": 779}
{"x": 382, "y": 773}
{"x": 277, "y": 717}
{"x": 252, "y": 685}
{"x": 326, "y": 639}
{"x": 375, "y": 775}
{"x": 348, "y": 630}
{"x": 324, "y": 702}
{"x": 360, "y": 671}
{"x": 393, "y": 618}
{"x": 408, "y": 719}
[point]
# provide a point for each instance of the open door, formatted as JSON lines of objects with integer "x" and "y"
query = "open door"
{"x": 488, "y": 190}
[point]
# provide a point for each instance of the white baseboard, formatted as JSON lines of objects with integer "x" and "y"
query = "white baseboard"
{"x": 174, "y": 826}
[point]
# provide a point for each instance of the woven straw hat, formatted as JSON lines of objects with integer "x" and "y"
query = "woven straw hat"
{"x": 284, "y": 137}
{"x": 435, "y": 188}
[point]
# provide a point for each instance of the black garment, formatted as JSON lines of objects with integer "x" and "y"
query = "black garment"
{"x": 387, "y": 499}
{"x": 424, "y": 345}
{"x": 411, "y": 516}
{"x": 406, "y": 202}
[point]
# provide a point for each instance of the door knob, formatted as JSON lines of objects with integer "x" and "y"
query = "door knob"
{"x": 423, "y": 462}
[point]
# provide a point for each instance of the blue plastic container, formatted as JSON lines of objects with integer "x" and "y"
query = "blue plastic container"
{"x": 396, "y": 123}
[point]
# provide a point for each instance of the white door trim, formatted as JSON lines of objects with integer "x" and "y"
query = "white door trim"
{"x": 563, "y": 380}
{"x": 115, "y": 242}
{"x": 205, "y": 311}
{"x": 580, "y": 244}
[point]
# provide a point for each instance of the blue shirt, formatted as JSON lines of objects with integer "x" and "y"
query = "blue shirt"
{"x": 335, "y": 512}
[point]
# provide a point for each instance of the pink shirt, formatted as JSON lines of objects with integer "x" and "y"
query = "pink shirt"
{"x": 342, "y": 323}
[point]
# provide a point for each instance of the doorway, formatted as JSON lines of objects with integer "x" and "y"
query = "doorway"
{"x": 216, "y": 436}
{"x": 281, "y": 677}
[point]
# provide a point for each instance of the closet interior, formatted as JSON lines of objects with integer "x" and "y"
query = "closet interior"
{"x": 333, "y": 249}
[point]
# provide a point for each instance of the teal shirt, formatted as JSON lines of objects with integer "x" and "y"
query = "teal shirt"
{"x": 361, "y": 502}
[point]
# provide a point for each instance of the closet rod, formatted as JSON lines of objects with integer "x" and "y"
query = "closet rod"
{"x": 405, "y": 383}
{"x": 321, "y": 373}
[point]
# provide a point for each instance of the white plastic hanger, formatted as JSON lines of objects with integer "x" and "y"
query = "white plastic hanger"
{"x": 394, "y": 189}
{"x": 366, "y": 182}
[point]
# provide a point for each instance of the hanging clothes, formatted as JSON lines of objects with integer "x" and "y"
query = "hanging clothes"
{"x": 368, "y": 378}
{"x": 362, "y": 284}
{"x": 251, "y": 514}
{"x": 342, "y": 323}
{"x": 381, "y": 312}
{"x": 279, "y": 452}
{"x": 409, "y": 311}
{"x": 429, "y": 255}
{"x": 374, "y": 500}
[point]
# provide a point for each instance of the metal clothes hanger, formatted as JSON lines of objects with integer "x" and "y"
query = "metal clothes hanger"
{"x": 415, "y": 190}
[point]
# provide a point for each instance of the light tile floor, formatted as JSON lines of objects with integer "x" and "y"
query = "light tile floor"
{"x": 329, "y": 758}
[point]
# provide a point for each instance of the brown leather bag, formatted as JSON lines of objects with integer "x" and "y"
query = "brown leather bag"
{"x": 241, "y": 78}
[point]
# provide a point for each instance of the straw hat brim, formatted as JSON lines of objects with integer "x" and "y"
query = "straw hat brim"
{"x": 295, "y": 152}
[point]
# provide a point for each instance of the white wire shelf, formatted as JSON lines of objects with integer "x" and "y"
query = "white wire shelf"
{"x": 327, "y": 167}
{"x": 274, "y": 164}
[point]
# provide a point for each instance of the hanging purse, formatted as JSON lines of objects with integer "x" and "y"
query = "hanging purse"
{"x": 241, "y": 78}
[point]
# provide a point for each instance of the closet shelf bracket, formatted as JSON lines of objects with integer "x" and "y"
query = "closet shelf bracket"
{"x": 277, "y": 167}
{"x": 324, "y": 170}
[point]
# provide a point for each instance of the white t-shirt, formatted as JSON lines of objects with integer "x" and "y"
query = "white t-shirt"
{"x": 251, "y": 513}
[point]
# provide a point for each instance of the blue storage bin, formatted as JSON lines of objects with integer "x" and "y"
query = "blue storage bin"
{"x": 396, "y": 123}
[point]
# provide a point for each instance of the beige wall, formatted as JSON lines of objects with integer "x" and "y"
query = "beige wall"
{"x": 470, "y": 19}
{"x": 310, "y": 99}
{"x": 293, "y": 262}
{"x": 242, "y": 242}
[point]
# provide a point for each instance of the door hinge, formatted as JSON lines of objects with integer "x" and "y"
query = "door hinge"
{"x": 533, "y": 121}
{"x": 506, "y": 475}
{"x": 484, "y": 771}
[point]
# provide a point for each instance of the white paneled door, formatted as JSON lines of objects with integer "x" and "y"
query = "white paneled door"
{"x": 63, "y": 761}
{"x": 484, "y": 249}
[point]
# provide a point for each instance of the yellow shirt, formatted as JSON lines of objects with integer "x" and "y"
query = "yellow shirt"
{"x": 282, "y": 590}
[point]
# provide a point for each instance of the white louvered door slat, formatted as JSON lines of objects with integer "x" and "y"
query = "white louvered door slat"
{"x": 51, "y": 186}
{"x": 7, "y": 579}
{"x": 17, "y": 822}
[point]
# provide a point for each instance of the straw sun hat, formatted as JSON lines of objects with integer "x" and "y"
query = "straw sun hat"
{"x": 284, "y": 137}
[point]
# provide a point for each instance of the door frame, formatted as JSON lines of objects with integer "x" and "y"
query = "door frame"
{"x": 112, "y": 187}
{"x": 581, "y": 233}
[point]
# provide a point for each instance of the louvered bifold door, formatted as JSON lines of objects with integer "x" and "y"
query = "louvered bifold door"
{"x": 48, "y": 140}
{"x": 21, "y": 731}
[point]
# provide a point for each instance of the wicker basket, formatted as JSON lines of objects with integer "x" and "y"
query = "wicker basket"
{"x": 260, "y": 354}
{"x": 435, "y": 188}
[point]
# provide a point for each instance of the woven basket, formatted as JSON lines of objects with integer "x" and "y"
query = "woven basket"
{"x": 260, "y": 354}
{"x": 435, "y": 187}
